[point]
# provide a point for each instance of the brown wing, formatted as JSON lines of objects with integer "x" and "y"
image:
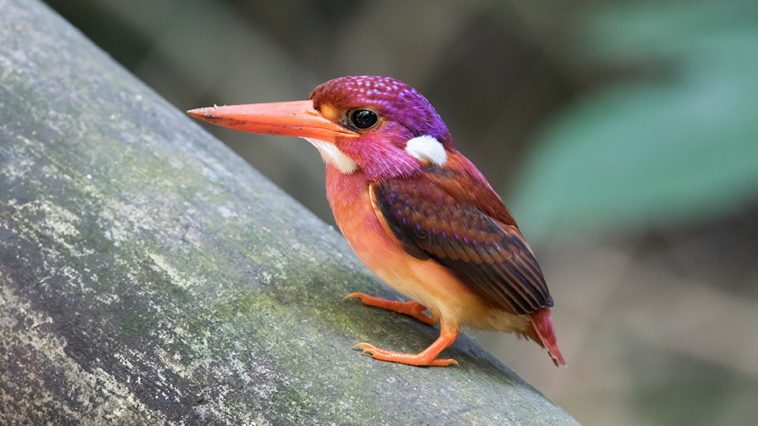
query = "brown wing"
{"x": 493, "y": 261}
{"x": 462, "y": 180}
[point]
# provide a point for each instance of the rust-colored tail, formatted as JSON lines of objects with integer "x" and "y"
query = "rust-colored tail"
{"x": 543, "y": 326}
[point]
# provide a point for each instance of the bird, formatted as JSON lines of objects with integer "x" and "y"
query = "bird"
{"x": 415, "y": 211}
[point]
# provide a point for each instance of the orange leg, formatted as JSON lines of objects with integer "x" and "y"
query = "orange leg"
{"x": 412, "y": 309}
{"x": 428, "y": 357}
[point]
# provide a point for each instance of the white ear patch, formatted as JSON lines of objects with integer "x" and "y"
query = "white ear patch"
{"x": 426, "y": 148}
{"x": 332, "y": 155}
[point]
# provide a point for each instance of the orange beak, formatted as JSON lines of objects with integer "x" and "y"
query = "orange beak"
{"x": 296, "y": 118}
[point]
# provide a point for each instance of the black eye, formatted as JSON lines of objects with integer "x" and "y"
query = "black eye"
{"x": 363, "y": 118}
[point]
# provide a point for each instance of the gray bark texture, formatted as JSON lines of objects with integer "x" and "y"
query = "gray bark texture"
{"x": 149, "y": 275}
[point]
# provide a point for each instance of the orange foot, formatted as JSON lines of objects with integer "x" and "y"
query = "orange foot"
{"x": 412, "y": 309}
{"x": 404, "y": 358}
{"x": 428, "y": 357}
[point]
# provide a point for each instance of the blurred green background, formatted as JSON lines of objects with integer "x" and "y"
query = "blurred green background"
{"x": 624, "y": 137}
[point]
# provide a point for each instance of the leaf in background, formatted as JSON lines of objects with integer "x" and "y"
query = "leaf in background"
{"x": 650, "y": 152}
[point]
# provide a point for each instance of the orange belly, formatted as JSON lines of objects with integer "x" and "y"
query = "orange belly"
{"x": 425, "y": 281}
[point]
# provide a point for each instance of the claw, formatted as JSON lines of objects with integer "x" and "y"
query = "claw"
{"x": 366, "y": 348}
{"x": 363, "y": 345}
{"x": 353, "y": 296}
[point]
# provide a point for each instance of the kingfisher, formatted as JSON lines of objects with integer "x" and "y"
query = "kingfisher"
{"x": 416, "y": 211}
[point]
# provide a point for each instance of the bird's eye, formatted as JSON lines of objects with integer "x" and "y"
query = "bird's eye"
{"x": 363, "y": 118}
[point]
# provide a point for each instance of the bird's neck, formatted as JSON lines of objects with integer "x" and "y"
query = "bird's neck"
{"x": 349, "y": 199}
{"x": 343, "y": 189}
{"x": 378, "y": 158}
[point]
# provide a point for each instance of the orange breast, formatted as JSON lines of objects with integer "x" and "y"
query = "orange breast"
{"x": 426, "y": 281}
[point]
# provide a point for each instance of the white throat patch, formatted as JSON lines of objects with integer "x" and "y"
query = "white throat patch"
{"x": 332, "y": 155}
{"x": 426, "y": 148}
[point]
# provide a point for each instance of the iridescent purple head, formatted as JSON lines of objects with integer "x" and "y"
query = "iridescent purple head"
{"x": 391, "y": 99}
{"x": 390, "y": 116}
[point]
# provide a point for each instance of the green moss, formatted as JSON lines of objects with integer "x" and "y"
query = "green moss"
{"x": 136, "y": 323}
